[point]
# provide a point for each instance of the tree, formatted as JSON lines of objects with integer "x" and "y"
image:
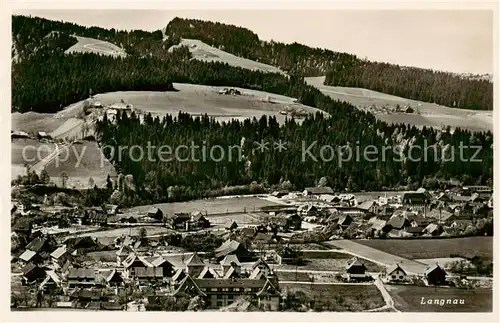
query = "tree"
{"x": 44, "y": 176}
{"x": 64, "y": 179}
{"x": 142, "y": 233}
{"x": 91, "y": 182}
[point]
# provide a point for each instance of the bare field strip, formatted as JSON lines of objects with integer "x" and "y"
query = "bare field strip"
{"x": 434, "y": 248}
{"x": 209, "y": 206}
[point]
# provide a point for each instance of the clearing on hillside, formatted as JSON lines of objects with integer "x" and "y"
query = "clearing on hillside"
{"x": 425, "y": 114}
{"x": 207, "y": 53}
{"x": 80, "y": 162}
{"x": 27, "y": 152}
{"x": 198, "y": 100}
{"x": 95, "y": 46}
{"x": 35, "y": 122}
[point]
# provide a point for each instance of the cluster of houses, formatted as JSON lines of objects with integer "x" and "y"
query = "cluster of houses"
{"x": 232, "y": 273}
{"x": 413, "y": 214}
{"x": 356, "y": 271}
{"x": 40, "y": 135}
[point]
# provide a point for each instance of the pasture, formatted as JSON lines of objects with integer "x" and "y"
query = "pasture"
{"x": 467, "y": 247}
{"x": 431, "y": 114}
{"x": 207, "y": 53}
{"x": 95, "y": 46}
{"x": 408, "y": 298}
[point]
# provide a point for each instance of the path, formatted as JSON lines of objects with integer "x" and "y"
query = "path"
{"x": 389, "y": 302}
{"x": 377, "y": 256}
{"x": 321, "y": 283}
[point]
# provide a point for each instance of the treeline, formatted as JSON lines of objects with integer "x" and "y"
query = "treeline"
{"x": 47, "y": 84}
{"x": 414, "y": 83}
{"x": 34, "y": 36}
{"x": 188, "y": 173}
{"x": 341, "y": 69}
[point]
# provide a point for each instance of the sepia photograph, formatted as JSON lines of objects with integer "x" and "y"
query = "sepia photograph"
{"x": 251, "y": 160}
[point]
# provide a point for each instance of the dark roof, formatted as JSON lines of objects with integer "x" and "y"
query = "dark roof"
{"x": 149, "y": 272}
{"x": 227, "y": 247}
{"x": 415, "y": 197}
{"x": 415, "y": 229}
{"x": 319, "y": 190}
{"x": 36, "y": 244}
{"x": 28, "y": 268}
{"x": 75, "y": 273}
{"x": 394, "y": 267}
{"x": 228, "y": 283}
{"x": 397, "y": 221}
{"x": 356, "y": 263}
{"x": 434, "y": 268}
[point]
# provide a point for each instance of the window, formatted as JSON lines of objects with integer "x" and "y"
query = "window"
{"x": 393, "y": 276}
{"x": 214, "y": 289}
{"x": 225, "y": 289}
{"x": 400, "y": 276}
{"x": 230, "y": 296}
{"x": 219, "y": 303}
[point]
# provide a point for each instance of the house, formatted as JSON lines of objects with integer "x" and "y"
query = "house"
{"x": 221, "y": 292}
{"x": 134, "y": 264}
{"x": 114, "y": 278}
{"x": 32, "y": 272}
{"x": 435, "y": 275}
{"x": 95, "y": 218}
{"x": 307, "y": 209}
{"x": 416, "y": 199}
{"x": 30, "y": 256}
{"x": 233, "y": 247}
{"x": 294, "y": 221}
{"x": 165, "y": 265}
{"x": 433, "y": 229}
{"x": 248, "y": 232}
{"x": 22, "y": 226}
{"x": 180, "y": 221}
{"x": 199, "y": 221}
{"x": 232, "y": 226}
{"x": 59, "y": 256}
{"x": 208, "y": 272}
{"x": 40, "y": 244}
{"x": 43, "y": 135}
{"x": 397, "y": 274}
{"x": 478, "y": 188}
{"x": 356, "y": 270}
{"x": 368, "y": 207}
{"x": 51, "y": 282}
{"x": 262, "y": 239}
{"x": 398, "y": 221}
{"x": 155, "y": 213}
{"x": 123, "y": 253}
{"x": 111, "y": 209}
{"x": 19, "y": 134}
{"x": 440, "y": 215}
{"x": 194, "y": 265}
{"x": 419, "y": 221}
{"x": 82, "y": 245}
{"x": 317, "y": 191}
{"x": 81, "y": 277}
{"x": 461, "y": 225}
{"x": 230, "y": 267}
{"x": 344, "y": 221}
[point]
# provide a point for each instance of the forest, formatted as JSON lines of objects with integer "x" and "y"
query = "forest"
{"x": 44, "y": 79}
{"x": 341, "y": 69}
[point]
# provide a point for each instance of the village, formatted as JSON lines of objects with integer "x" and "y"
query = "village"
{"x": 109, "y": 258}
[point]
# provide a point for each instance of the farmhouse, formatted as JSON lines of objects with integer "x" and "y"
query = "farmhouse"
{"x": 194, "y": 265}
{"x": 368, "y": 207}
{"x": 233, "y": 247}
{"x": 32, "y": 272}
{"x": 435, "y": 275}
{"x": 356, "y": 270}
{"x": 397, "y": 274}
{"x": 81, "y": 277}
{"x": 59, "y": 256}
{"x": 198, "y": 221}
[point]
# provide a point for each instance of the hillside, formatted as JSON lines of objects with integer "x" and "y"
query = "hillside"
{"x": 92, "y": 45}
{"x": 341, "y": 69}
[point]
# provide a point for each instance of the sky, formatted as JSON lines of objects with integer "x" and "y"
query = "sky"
{"x": 457, "y": 41}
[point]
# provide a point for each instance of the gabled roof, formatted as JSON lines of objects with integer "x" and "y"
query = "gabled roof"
{"x": 395, "y": 267}
{"x": 28, "y": 268}
{"x": 159, "y": 261}
{"x": 344, "y": 219}
{"x": 433, "y": 268}
{"x": 356, "y": 263}
{"x": 150, "y": 272}
{"x": 227, "y": 247}
{"x": 179, "y": 275}
{"x": 124, "y": 249}
{"x": 27, "y": 255}
{"x": 366, "y": 205}
{"x": 397, "y": 221}
{"x": 378, "y": 224}
{"x": 208, "y": 271}
{"x": 133, "y": 258}
{"x": 268, "y": 288}
{"x": 195, "y": 261}
{"x": 51, "y": 276}
{"x": 59, "y": 252}
{"x": 36, "y": 244}
{"x": 229, "y": 260}
{"x": 260, "y": 263}
{"x": 231, "y": 272}
{"x": 414, "y": 229}
{"x": 194, "y": 286}
{"x": 432, "y": 227}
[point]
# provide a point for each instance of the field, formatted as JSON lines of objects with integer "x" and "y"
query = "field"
{"x": 91, "y": 45}
{"x": 431, "y": 114}
{"x": 435, "y": 248}
{"x": 34, "y": 151}
{"x": 409, "y": 298}
{"x": 337, "y": 263}
{"x": 344, "y": 297}
{"x": 217, "y": 206}
{"x": 81, "y": 161}
{"x": 35, "y": 122}
{"x": 207, "y": 53}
